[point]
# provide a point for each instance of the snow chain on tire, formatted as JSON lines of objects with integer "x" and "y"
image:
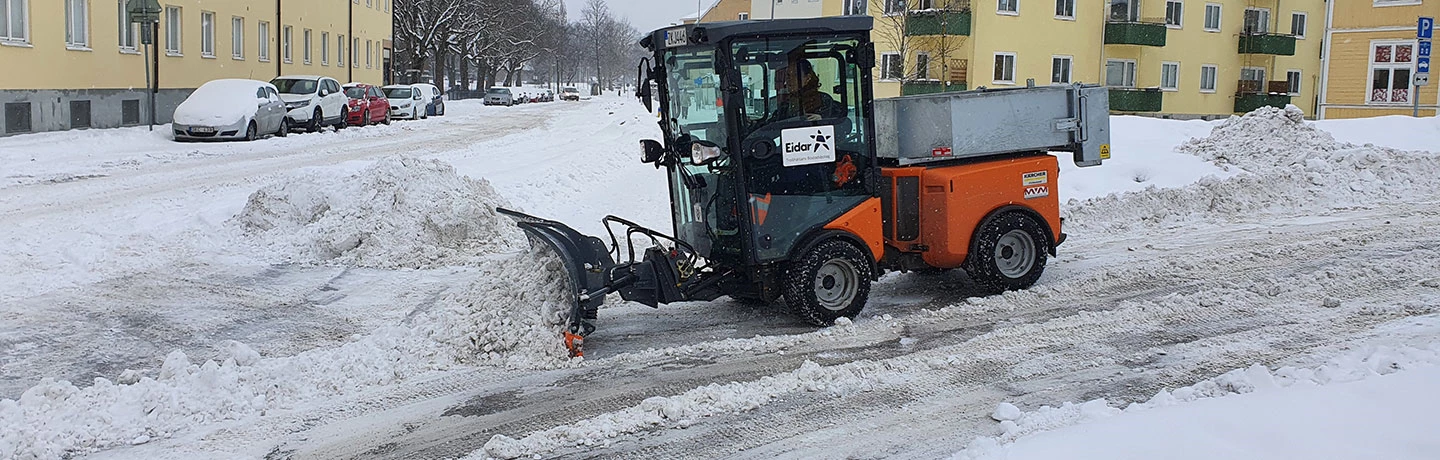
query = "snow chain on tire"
{"x": 830, "y": 281}
{"x": 1009, "y": 252}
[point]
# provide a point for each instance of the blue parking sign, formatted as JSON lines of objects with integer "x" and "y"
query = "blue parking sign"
{"x": 1426, "y": 28}
{"x": 1422, "y": 65}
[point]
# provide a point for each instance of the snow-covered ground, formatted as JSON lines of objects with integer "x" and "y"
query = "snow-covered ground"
{"x": 1253, "y": 287}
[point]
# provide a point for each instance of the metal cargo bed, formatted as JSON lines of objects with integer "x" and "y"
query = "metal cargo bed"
{"x": 937, "y": 127}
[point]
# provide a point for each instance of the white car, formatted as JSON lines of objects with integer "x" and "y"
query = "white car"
{"x": 435, "y": 103}
{"x": 406, "y": 102}
{"x": 314, "y": 102}
{"x": 230, "y": 109}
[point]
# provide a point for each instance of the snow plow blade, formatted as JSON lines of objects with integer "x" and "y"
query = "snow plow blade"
{"x": 586, "y": 261}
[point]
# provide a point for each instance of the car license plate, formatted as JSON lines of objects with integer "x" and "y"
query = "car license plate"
{"x": 202, "y": 130}
{"x": 676, "y": 37}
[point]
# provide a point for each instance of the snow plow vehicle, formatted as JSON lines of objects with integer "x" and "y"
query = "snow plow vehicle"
{"x": 788, "y": 180}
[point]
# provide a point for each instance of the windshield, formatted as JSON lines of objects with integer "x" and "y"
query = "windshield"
{"x": 694, "y": 107}
{"x": 287, "y": 86}
{"x": 355, "y": 92}
{"x": 498, "y": 91}
{"x": 570, "y": 90}
{"x": 398, "y": 93}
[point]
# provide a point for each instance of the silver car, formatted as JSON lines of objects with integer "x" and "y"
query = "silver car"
{"x": 231, "y": 109}
{"x": 499, "y": 96}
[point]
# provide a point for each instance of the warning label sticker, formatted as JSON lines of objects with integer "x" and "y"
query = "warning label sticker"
{"x": 1035, "y": 178}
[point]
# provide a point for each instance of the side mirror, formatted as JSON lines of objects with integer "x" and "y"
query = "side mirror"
{"x": 260, "y": 101}
{"x": 417, "y": 97}
{"x": 653, "y": 152}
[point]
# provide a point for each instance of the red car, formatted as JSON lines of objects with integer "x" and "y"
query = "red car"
{"x": 367, "y": 105}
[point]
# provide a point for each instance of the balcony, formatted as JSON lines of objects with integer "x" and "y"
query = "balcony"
{"x": 912, "y": 88}
{"x": 938, "y": 22}
{"x": 1135, "y": 33}
{"x": 1267, "y": 43}
{"x": 1136, "y": 99}
{"x": 1249, "y": 95}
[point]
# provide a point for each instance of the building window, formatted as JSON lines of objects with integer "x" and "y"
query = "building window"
{"x": 743, "y": 16}
{"x": 1207, "y": 78}
{"x": 1065, "y": 9}
{"x": 1212, "y": 17}
{"x": 340, "y": 51}
{"x": 855, "y": 7}
{"x": 892, "y": 67}
{"x": 172, "y": 30}
{"x": 308, "y": 47}
{"x": 1124, "y": 10}
{"x": 207, "y": 34}
{"x": 17, "y": 117}
{"x": 1391, "y": 65}
{"x": 1292, "y": 79}
{"x": 368, "y": 53}
{"x": 1060, "y": 68}
{"x": 127, "y": 28}
{"x": 922, "y": 66}
{"x": 264, "y": 38}
{"x": 79, "y": 114}
{"x": 1174, "y": 14}
{"x": 893, "y": 6}
{"x": 1297, "y": 24}
{"x": 1257, "y": 20}
{"x": 77, "y": 24}
{"x": 355, "y": 52}
{"x": 285, "y": 47}
{"x": 237, "y": 38}
{"x": 130, "y": 112}
{"x": 324, "y": 48}
{"x": 1120, "y": 73}
{"x": 1252, "y": 81}
{"x": 14, "y": 21}
{"x": 1004, "y": 67}
{"x": 1170, "y": 76}
{"x": 1010, "y": 7}
{"x": 918, "y": 5}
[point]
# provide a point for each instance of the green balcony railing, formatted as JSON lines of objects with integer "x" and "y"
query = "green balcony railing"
{"x": 1244, "y": 103}
{"x": 1276, "y": 44}
{"x": 911, "y": 88}
{"x": 938, "y": 22}
{"x": 1135, "y": 33}
{"x": 1136, "y": 100}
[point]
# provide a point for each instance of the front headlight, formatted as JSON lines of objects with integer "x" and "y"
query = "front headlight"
{"x": 297, "y": 104}
{"x": 701, "y": 153}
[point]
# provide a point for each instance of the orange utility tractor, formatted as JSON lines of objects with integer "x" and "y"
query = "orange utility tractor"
{"x": 788, "y": 180}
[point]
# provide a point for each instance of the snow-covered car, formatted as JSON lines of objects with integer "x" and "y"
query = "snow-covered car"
{"x": 569, "y": 94}
{"x": 232, "y": 109}
{"x": 367, "y": 105}
{"x": 499, "y": 96}
{"x": 314, "y": 102}
{"x": 405, "y": 102}
{"x": 434, "y": 100}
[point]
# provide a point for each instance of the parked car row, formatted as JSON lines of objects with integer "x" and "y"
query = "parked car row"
{"x": 500, "y": 95}
{"x": 241, "y": 109}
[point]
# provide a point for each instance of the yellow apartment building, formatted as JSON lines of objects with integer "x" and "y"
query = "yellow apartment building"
{"x": 1174, "y": 58}
{"x": 79, "y": 64}
{"x": 1371, "y": 59}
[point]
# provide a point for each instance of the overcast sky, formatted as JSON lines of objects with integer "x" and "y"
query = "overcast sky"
{"x": 646, "y": 15}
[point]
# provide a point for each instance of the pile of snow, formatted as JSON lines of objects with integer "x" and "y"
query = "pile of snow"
{"x": 1145, "y": 156}
{"x": 1258, "y": 413}
{"x": 1289, "y": 164}
{"x": 510, "y": 317}
{"x": 399, "y": 213}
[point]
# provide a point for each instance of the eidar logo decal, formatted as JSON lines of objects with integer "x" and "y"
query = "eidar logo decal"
{"x": 808, "y": 146}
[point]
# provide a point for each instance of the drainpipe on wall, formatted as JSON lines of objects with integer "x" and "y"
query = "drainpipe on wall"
{"x": 279, "y": 33}
{"x": 350, "y": 29}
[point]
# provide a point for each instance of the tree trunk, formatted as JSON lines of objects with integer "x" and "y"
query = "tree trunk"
{"x": 440, "y": 57}
{"x": 519, "y": 75}
{"x": 465, "y": 74}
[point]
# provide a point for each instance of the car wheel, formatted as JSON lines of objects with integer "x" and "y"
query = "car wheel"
{"x": 387, "y": 117}
{"x": 251, "y": 131}
{"x": 1008, "y": 252}
{"x": 344, "y": 118}
{"x": 284, "y": 127}
{"x": 829, "y": 282}
{"x": 316, "y": 121}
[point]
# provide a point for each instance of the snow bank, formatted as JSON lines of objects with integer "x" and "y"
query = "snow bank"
{"x": 510, "y": 317}
{"x": 399, "y": 213}
{"x": 1289, "y": 164}
{"x": 1272, "y": 402}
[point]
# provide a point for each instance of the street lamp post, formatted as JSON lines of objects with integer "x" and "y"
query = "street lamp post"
{"x": 147, "y": 14}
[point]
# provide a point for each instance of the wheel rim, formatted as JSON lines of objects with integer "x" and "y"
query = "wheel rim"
{"x": 1015, "y": 253}
{"x": 250, "y": 132}
{"x": 836, "y": 283}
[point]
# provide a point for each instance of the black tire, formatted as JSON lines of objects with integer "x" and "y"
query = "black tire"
{"x": 387, "y": 118}
{"x": 251, "y": 132}
{"x": 317, "y": 121}
{"x": 830, "y": 281}
{"x": 344, "y": 118}
{"x": 284, "y": 127}
{"x": 1008, "y": 252}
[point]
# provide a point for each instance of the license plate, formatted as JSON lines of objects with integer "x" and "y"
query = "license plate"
{"x": 676, "y": 37}
{"x": 202, "y": 130}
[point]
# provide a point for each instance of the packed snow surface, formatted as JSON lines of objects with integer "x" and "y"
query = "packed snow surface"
{"x": 401, "y": 212}
{"x": 220, "y": 102}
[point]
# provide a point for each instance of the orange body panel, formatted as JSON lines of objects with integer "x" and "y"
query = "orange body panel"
{"x": 953, "y": 199}
{"x": 864, "y": 222}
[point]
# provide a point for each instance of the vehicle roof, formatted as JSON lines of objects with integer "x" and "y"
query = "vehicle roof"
{"x": 398, "y": 87}
{"x": 353, "y": 84}
{"x": 714, "y": 32}
{"x": 300, "y": 77}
